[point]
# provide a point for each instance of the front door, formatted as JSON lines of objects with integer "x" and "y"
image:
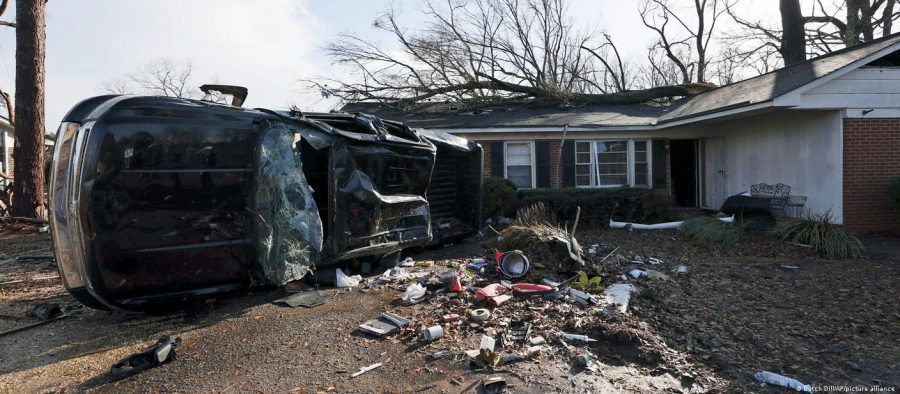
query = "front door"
{"x": 714, "y": 165}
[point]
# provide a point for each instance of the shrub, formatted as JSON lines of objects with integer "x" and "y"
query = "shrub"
{"x": 598, "y": 205}
{"x": 499, "y": 197}
{"x": 819, "y": 231}
{"x": 894, "y": 191}
{"x": 709, "y": 229}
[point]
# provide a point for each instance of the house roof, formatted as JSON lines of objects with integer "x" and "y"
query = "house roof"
{"x": 767, "y": 87}
{"x": 521, "y": 116}
{"x": 760, "y": 89}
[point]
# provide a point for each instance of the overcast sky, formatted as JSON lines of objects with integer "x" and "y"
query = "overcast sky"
{"x": 264, "y": 45}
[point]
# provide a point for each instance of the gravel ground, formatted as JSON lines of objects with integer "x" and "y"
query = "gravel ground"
{"x": 738, "y": 312}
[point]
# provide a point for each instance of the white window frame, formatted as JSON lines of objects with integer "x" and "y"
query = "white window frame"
{"x": 592, "y": 173}
{"x": 630, "y": 163}
{"x": 533, "y": 163}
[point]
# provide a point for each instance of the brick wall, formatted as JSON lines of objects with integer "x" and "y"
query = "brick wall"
{"x": 555, "y": 172}
{"x": 486, "y": 148}
{"x": 871, "y": 161}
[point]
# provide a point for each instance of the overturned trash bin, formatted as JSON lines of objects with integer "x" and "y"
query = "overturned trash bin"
{"x": 155, "y": 199}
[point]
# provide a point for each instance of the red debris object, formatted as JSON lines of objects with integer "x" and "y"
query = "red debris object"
{"x": 453, "y": 317}
{"x": 453, "y": 284}
{"x": 531, "y": 289}
{"x": 497, "y": 300}
{"x": 491, "y": 290}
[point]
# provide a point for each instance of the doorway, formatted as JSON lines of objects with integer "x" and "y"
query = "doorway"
{"x": 683, "y": 162}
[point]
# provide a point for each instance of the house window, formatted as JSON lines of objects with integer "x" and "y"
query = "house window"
{"x": 520, "y": 164}
{"x": 583, "y": 164}
{"x": 641, "y": 164}
{"x": 612, "y": 163}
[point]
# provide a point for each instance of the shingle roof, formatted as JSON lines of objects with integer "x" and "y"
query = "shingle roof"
{"x": 751, "y": 91}
{"x": 768, "y": 86}
{"x": 521, "y": 116}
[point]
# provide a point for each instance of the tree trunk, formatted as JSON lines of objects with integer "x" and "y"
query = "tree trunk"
{"x": 28, "y": 183}
{"x": 793, "y": 40}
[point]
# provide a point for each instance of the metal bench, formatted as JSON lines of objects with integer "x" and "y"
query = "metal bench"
{"x": 778, "y": 194}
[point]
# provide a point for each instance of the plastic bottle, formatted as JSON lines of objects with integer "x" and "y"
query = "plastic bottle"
{"x": 579, "y": 338}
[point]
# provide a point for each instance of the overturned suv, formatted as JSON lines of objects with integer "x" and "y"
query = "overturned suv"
{"x": 155, "y": 199}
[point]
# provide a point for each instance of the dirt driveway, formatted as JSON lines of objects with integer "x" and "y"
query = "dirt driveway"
{"x": 737, "y": 312}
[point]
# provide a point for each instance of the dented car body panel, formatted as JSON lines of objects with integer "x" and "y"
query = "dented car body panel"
{"x": 156, "y": 199}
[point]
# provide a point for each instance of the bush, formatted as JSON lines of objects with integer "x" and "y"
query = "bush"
{"x": 499, "y": 197}
{"x": 598, "y": 205}
{"x": 709, "y": 229}
{"x": 894, "y": 191}
{"x": 817, "y": 230}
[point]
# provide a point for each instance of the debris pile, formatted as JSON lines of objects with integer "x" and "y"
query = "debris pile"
{"x": 528, "y": 303}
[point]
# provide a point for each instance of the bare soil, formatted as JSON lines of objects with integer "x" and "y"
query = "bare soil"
{"x": 738, "y": 311}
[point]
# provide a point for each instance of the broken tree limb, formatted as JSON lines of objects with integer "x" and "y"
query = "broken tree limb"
{"x": 32, "y": 325}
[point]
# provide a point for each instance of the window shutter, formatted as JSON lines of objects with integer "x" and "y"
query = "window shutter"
{"x": 542, "y": 159}
{"x": 568, "y": 164}
{"x": 660, "y": 157}
{"x": 497, "y": 158}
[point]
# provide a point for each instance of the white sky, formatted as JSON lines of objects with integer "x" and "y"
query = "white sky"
{"x": 265, "y": 45}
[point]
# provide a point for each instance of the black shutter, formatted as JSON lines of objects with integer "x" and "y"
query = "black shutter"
{"x": 497, "y": 158}
{"x": 660, "y": 157}
{"x": 542, "y": 159}
{"x": 568, "y": 164}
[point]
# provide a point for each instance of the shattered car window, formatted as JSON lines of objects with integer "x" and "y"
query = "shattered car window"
{"x": 288, "y": 228}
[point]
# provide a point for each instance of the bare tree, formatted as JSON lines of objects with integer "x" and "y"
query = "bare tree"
{"x": 166, "y": 77}
{"x": 823, "y": 29}
{"x": 684, "y": 38}
{"x": 615, "y": 74}
{"x": 28, "y": 187}
{"x": 479, "y": 52}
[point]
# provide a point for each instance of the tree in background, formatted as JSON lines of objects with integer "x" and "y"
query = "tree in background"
{"x": 28, "y": 187}
{"x": 684, "y": 39}
{"x": 484, "y": 52}
{"x": 825, "y": 28}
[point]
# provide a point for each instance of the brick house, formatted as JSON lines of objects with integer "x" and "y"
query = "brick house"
{"x": 829, "y": 127}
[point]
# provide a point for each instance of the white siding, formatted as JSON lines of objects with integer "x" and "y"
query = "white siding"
{"x": 798, "y": 148}
{"x": 869, "y": 87}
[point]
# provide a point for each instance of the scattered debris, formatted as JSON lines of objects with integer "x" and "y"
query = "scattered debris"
{"x": 578, "y": 338}
{"x": 480, "y": 315}
{"x": 620, "y": 294}
{"x": 342, "y": 280}
{"x": 309, "y": 299}
{"x": 160, "y": 353}
{"x": 766, "y": 377}
{"x": 366, "y": 369}
{"x": 413, "y": 293}
{"x": 433, "y": 333}
{"x": 385, "y": 324}
{"x": 493, "y": 385}
{"x": 519, "y": 331}
{"x": 32, "y": 325}
{"x": 44, "y": 310}
{"x": 514, "y": 264}
{"x": 440, "y": 354}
